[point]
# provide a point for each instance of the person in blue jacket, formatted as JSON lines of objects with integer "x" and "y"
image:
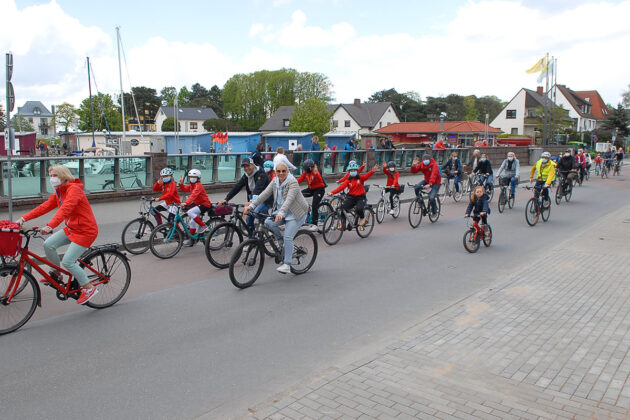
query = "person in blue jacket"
{"x": 478, "y": 205}
{"x": 350, "y": 147}
{"x": 453, "y": 169}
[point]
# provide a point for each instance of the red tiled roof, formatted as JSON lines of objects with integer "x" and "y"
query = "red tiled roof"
{"x": 598, "y": 106}
{"x": 434, "y": 127}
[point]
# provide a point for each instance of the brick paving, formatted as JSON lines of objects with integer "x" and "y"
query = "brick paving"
{"x": 550, "y": 341}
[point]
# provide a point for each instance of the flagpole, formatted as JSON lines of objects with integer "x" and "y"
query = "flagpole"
{"x": 547, "y": 119}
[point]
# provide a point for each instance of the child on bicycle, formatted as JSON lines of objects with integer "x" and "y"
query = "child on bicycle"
{"x": 432, "y": 178}
{"x": 347, "y": 175}
{"x": 268, "y": 168}
{"x": 169, "y": 194}
{"x": 478, "y": 206}
{"x": 598, "y": 163}
{"x": 316, "y": 189}
{"x": 453, "y": 169}
{"x": 197, "y": 203}
{"x": 392, "y": 181}
{"x": 484, "y": 169}
{"x": 356, "y": 195}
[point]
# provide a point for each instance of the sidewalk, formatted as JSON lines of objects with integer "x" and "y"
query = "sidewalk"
{"x": 550, "y": 341}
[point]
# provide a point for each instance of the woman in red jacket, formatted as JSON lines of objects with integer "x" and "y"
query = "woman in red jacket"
{"x": 356, "y": 195}
{"x": 197, "y": 202}
{"x": 316, "y": 189}
{"x": 80, "y": 231}
{"x": 169, "y": 193}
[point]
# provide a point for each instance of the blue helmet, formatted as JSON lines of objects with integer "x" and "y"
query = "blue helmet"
{"x": 352, "y": 166}
{"x": 268, "y": 164}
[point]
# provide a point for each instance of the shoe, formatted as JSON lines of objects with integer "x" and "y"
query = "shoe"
{"x": 202, "y": 230}
{"x": 391, "y": 212}
{"x": 284, "y": 269}
{"x": 311, "y": 228}
{"x": 86, "y": 295}
{"x": 57, "y": 277}
{"x": 188, "y": 242}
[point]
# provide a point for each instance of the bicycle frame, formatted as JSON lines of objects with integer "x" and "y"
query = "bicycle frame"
{"x": 479, "y": 232}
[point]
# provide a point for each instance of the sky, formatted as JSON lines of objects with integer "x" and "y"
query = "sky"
{"x": 467, "y": 47}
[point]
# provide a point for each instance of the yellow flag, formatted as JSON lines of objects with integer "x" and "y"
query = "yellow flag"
{"x": 540, "y": 64}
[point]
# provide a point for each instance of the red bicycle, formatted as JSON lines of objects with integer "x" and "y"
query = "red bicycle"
{"x": 106, "y": 268}
{"x": 475, "y": 234}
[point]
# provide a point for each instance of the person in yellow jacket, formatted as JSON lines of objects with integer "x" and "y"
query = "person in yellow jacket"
{"x": 544, "y": 172}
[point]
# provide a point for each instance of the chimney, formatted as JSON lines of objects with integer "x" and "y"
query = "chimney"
{"x": 357, "y": 102}
{"x": 539, "y": 90}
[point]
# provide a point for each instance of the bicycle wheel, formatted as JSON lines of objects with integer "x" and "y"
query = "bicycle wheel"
{"x": 568, "y": 193}
{"x": 380, "y": 211}
{"x": 415, "y": 213}
{"x": 114, "y": 266}
{"x": 304, "y": 252}
{"x": 502, "y": 201}
{"x": 487, "y": 239}
{"x": 336, "y": 202}
{"x": 20, "y": 309}
{"x": 221, "y": 242}
{"x": 165, "y": 240}
{"x": 531, "y": 212}
{"x": 246, "y": 263}
{"x": 365, "y": 230}
{"x": 511, "y": 201}
{"x": 135, "y": 236}
{"x": 434, "y": 217}
{"x": 546, "y": 209}
{"x": 471, "y": 242}
{"x": 396, "y": 207}
{"x": 490, "y": 192}
{"x": 559, "y": 194}
{"x": 457, "y": 195}
{"x": 333, "y": 228}
{"x": 325, "y": 210}
{"x": 604, "y": 173}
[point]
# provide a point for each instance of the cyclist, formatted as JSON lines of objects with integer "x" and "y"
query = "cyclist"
{"x": 598, "y": 163}
{"x": 290, "y": 209}
{"x": 484, "y": 169}
{"x": 268, "y": 168}
{"x": 432, "y": 178}
{"x": 356, "y": 191}
{"x": 80, "y": 232}
{"x": 280, "y": 157}
{"x": 392, "y": 181}
{"x": 580, "y": 159}
{"x": 453, "y": 169}
{"x": 619, "y": 156}
{"x": 511, "y": 167}
{"x": 545, "y": 172}
{"x": 608, "y": 157}
{"x": 478, "y": 206}
{"x": 255, "y": 181}
{"x": 169, "y": 193}
{"x": 347, "y": 174}
{"x": 567, "y": 166}
{"x": 316, "y": 188}
{"x": 197, "y": 203}
{"x": 589, "y": 161}
{"x": 474, "y": 160}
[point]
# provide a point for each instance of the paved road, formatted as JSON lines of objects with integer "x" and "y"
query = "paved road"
{"x": 184, "y": 343}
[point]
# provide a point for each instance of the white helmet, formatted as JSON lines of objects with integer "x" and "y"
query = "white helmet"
{"x": 166, "y": 172}
{"x": 546, "y": 155}
{"x": 195, "y": 173}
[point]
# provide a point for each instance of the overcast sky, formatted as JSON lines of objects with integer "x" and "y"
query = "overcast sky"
{"x": 431, "y": 47}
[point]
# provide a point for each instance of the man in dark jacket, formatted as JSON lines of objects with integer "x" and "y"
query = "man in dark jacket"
{"x": 255, "y": 181}
{"x": 567, "y": 166}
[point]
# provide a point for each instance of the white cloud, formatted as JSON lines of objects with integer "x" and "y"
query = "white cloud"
{"x": 297, "y": 34}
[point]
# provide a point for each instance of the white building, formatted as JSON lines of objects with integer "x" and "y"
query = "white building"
{"x": 190, "y": 119}
{"x": 580, "y": 110}
{"x": 518, "y": 115}
{"x": 40, "y": 118}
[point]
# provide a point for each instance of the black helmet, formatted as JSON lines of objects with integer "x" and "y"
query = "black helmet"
{"x": 308, "y": 165}
{"x": 391, "y": 163}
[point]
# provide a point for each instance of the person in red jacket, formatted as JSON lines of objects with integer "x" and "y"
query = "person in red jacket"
{"x": 316, "y": 189}
{"x": 356, "y": 191}
{"x": 347, "y": 175}
{"x": 169, "y": 194}
{"x": 197, "y": 203}
{"x": 432, "y": 177}
{"x": 392, "y": 181}
{"x": 80, "y": 232}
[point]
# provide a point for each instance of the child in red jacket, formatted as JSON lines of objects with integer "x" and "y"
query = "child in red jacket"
{"x": 356, "y": 191}
{"x": 169, "y": 194}
{"x": 197, "y": 202}
{"x": 392, "y": 182}
{"x": 429, "y": 167}
{"x": 316, "y": 189}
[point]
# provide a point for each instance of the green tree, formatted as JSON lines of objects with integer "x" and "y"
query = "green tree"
{"x": 559, "y": 118}
{"x": 311, "y": 115}
{"x": 200, "y": 96}
{"x": 106, "y": 113}
{"x": 470, "y": 108}
{"x": 168, "y": 95}
{"x": 408, "y": 105}
{"x": 312, "y": 85}
{"x": 64, "y": 116}
{"x": 3, "y": 118}
{"x": 490, "y": 105}
{"x": 625, "y": 99}
{"x": 619, "y": 120}
{"x": 169, "y": 124}
{"x": 19, "y": 123}
{"x": 183, "y": 96}
{"x": 220, "y": 124}
{"x": 147, "y": 101}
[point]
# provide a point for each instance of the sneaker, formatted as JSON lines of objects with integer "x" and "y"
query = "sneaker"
{"x": 284, "y": 269}
{"x": 310, "y": 228}
{"x": 202, "y": 230}
{"x": 391, "y": 212}
{"x": 57, "y": 277}
{"x": 86, "y": 295}
{"x": 188, "y": 242}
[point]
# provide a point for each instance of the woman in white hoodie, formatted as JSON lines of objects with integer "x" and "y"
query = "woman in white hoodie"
{"x": 280, "y": 157}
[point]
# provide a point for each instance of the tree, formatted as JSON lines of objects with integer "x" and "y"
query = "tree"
{"x": 64, "y": 116}
{"x": 470, "y": 109}
{"x": 147, "y": 102}
{"x": 619, "y": 120}
{"x": 626, "y": 98}
{"x": 559, "y": 118}
{"x": 408, "y": 105}
{"x": 311, "y": 115}
{"x": 183, "y": 96}
{"x": 312, "y": 85}
{"x": 200, "y": 96}
{"x": 169, "y": 124}
{"x": 220, "y": 124}
{"x": 168, "y": 94}
{"x": 3, "y": 118}
{"x": 490, "y": 105}
{"x": 106, "y": 113}
{"x": 19, "y": 123}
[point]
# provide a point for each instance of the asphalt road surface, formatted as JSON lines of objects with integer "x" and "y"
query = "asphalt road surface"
{"x": 184, "y": 343}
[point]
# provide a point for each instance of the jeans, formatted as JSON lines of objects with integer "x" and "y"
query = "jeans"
{"x": 545, "y": 191}
{"x": 432, "y": 194}
{"x": 261, "y": 208}
{"x": 291, "y": 228}
{"x": 488, "y": 181}
{"x": 69, "y": 262}
{"x": 458, "y": 178}
{"x": 513, "y": 184}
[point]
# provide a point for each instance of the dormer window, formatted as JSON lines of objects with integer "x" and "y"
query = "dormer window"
{"x": 37, "y": 111}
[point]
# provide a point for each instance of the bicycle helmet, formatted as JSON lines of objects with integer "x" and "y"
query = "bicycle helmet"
{"x": 546, "y": 155}
{"x": 352, "y": 166}
{"x": 308, "y": 165}
{"x": 391, "y": 164}
{"x": 268, "y": 164}
{"x": 166, "y": 172}
{"x": 352, "y": 162}
{"x": 195, "y": 173}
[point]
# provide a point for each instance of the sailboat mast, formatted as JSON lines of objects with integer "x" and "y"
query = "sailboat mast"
{"x": 91, "y": 106}
{"x": 122, "y": 95}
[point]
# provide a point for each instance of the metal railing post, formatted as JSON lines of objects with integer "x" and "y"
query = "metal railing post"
{"x": 215, "y": 168}
{"x": 237, "y": 170}
{"x": 82, "y": 171}
{"x": 148, "y": 165}
{"x": 1, "y": 178}
{"x": 43, "y": 171}
{"x": 191, "y": 162}
{"x": 117, "y": 184}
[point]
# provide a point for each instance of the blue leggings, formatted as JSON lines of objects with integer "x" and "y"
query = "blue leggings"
{"x": 69, "y": 262}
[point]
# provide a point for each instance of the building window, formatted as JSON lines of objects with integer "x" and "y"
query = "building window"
{"x": 30, "y": 119}
{"x": 193, "y": 125}
{"x": 514, "y": 131}
{"x": 380, "y": 124}
{"x": 510, "y": 114}
{"x": 285, "y": 123}
{"x": 346, "y": 123}
{"x": 37, "y": 111}
{"x": 335, "y": 123}
{"x": 43, "y": 121}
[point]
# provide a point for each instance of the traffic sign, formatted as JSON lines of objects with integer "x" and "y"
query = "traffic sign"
{"x": 134, "y": 142}
{"x": 10, "y": 97}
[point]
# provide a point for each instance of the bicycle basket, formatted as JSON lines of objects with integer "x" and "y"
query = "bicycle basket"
{"x": 401, "y": 189}
{"x": 10, "y": 242}
{"x": 223, "y": 210}
{"x": 504, "y": 181}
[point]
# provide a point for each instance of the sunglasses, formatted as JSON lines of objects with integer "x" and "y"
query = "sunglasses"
{"x": 281, "y": 171}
